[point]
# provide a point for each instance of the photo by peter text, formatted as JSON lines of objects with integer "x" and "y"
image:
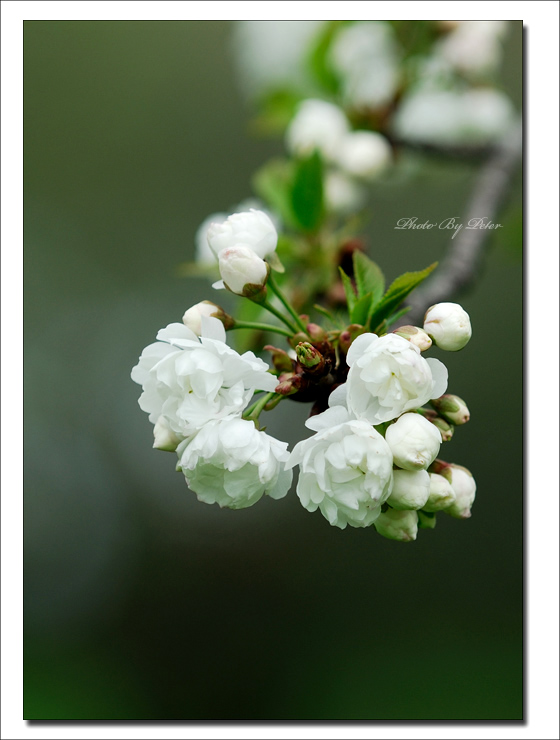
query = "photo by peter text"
{"x": 451, "y": 224}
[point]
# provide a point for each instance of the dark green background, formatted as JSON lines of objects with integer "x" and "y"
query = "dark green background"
{"x": 142, "y": 603}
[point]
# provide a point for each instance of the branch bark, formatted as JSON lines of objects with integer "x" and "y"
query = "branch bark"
{"x": 462, "y": 259}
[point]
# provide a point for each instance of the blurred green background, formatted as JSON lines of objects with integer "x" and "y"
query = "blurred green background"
{"x": 140, "y": 602}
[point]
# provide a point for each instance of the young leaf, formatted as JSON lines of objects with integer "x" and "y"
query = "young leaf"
{"x": 386, "y": 323}
{"x": 360, "y": 313}
{"x": 349, "y": 290}
{"x": 397, "y": 292}
{"x": 368, "y": 276}
{"x": 307, "y": 192}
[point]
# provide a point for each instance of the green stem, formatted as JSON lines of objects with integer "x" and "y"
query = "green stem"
{"x": 261, "y": 327}
{"x": 287, "y": 305}
{"x": 253, "y": 412}
{"x": 279, "y": 315}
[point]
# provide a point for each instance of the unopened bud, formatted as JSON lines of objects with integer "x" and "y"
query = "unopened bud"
{"x": 309, "y": 357}
{"x": 415, "y": 336}
{"x": 449, "y": 326}
{"x": 464, "y": 487}
{"x": 413, "y": 441}
{"x": 164, "y": 437}
{"x": 441, "y": 494}
{"x": 281, "y": 360}
{"x": 452, "y": 408}
{"x": 348, "y": 335}
{"x": 446, "y": 429}
{"x": 316, "y": 332}
{"x": 192, "y": 318}
{"x": 298, "y": 338}
{"x": 289, "y": 384}
{"x": 244, "y": 272}
{"x": 397, "y": 525}
{"x": 411, "y": 489}
{"x": 426, "y": 520}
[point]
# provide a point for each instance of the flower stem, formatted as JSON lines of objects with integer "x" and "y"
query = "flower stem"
{"x": 280, "y": 315}
{"x": 287, "y": 305}
{"x": 253, "y": 412}
{"x": 261, "y": 327}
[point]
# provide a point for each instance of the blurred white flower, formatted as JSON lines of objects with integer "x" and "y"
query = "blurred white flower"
{"x": 272, "y": 55}
{"x": 190, "y": 381}
{"x": 345, "y": 469}
{"x": 411, "y": 489}
{"x": 242, "y": 271}
{"x": 453, "y": 118}
{"x": 317, "y": 124}
{"x": 253, "y": 229}
{"x": 474, "y": 47}
{"x": 398, "y": 525}
{"x": 231, "y": 463}
{"x": 414, "y": 442}
{"x": 364, "y": 154}
{"x": 366, "y": 57}
{"x": 449, "y": 326}
{"x": 389, "y": 376}
{"x": 343, "y": 194}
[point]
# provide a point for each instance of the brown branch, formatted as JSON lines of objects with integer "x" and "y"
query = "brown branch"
{"x": 459, "y": 266}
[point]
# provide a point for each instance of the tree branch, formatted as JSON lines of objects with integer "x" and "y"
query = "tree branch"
{"x": 459, "y": 266}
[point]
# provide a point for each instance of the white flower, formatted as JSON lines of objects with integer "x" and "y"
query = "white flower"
{"x": 242, "y": 271}
{"x": 441, "y": 494}
{"x": 253, "y": 229}
{"x": 414, "y": 442}
{"x": 345, "y": 469}
{"x": 366, "y": 57}
{"x": 203, "y": 254}
{"x": 343, "y": 194}
{"x": 411, "y": 489}
{"x": 364, "y": 154}
{"x": 398, "y": 525}
{"x": 317, "y": 125}
{"x": 389, "y": 376}
{"x": 449, "y": 326}
{"x": 231, "y": 463}
{"x": 190, "y": 381}
{"x": 464, "y": 488}
{"x": 164, "y": 437}
{"x": 474, "y": 47}
{"x": 192, "y": 317}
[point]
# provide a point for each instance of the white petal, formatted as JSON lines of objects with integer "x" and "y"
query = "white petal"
{"x": 439, "y": 375}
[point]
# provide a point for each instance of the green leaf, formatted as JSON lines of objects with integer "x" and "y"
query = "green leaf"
{"x": 362, "y": 309}
{"x": 276, "y": 110}
{"x": 273, "y": 183}
{"x": 349, "y": 290}
{"x": 307, "y": 192}
{"x": 397, "y": 292}
{"x": 319, "y": 59}
{"x": 368, "y": 276}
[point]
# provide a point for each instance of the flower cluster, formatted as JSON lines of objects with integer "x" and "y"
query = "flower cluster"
{"x": 373, "y": 459}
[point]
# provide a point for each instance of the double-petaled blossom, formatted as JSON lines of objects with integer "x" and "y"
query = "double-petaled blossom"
{"x": 345, "y": 469}
{"x": 389, "y": 376}
{"x": 230, "y": 463}
{"x": 189, "y": 381}
{"x": 252, "y": 229}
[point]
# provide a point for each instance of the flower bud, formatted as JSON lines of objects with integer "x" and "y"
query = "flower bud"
{"x": 446, "y": 429}
{"x": 364, "y": 154}
{"x": 193, "y": 316}
{"x": 415, "y": 336}
{"x": 309, "y": 357}
{"x": 441, "y": 494}
{"x": 252, "y": 229}
{"x": 348, "y": 335}
{"x": 316, "y": 332}
{"x": 317, "y": 124}
{"x": 452, "y": 408}
{"x": 464, "y": 488}
{"x": 411, "y": 489}
{"x": 289, "y": 384}
{"x": 414, "y": 442}
{"x": 281, "y": 360}
{"x": 164, "y": 437}
{"x": 426, "y": 520}
{"x": 449, "y": 326}
{"x": 243, "y": 271}
{"x": 397, "y": 525}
